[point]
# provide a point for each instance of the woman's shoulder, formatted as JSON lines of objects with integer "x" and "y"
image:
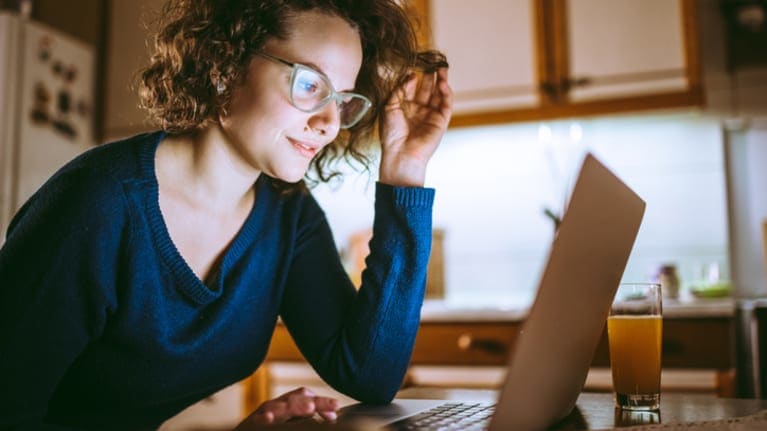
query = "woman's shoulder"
{"x": 107, "y": 166}
{"x": 94, "y": 181}
{"x": 129, "y": 157}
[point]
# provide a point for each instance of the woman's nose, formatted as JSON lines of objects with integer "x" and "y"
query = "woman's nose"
{"x": 326, "y": 121}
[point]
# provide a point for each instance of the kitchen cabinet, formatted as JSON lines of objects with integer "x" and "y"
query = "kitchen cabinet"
{"x": 703, "y": 341}
{"x": 491, "y": 48}
{"x": 520, "y": 60}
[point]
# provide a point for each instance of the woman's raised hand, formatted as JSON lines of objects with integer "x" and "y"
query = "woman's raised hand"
{"x": 414, "y": 121}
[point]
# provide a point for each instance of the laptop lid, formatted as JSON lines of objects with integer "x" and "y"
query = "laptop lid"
{"x": 553, "y": 352}
{"x": 552, "y": 355}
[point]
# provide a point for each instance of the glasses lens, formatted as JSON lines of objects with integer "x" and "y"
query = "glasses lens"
{"x": 310, "y": 89}
{"x": 352, "y": 107}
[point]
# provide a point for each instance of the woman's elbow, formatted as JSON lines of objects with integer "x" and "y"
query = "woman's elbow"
{"x": 375, "y": 393}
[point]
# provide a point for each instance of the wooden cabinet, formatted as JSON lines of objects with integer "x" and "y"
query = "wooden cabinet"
{"x": 465, "y": 343}
{"x": 704, "y": 343}
{"x": 688, "y": 342}
{"x": 492, "y": 50}
{"x": 623, "y": 48}
{"x": 518, "y": 60}
{"x": 701, "y": 342}
{"x": 438, "y": 343}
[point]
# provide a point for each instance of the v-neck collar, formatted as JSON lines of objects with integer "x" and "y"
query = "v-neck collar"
{"x": 187, "y": 281}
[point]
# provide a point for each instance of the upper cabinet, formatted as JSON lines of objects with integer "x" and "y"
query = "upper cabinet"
{"x": 492, "y": 50}
{"x": 518, "y": 60}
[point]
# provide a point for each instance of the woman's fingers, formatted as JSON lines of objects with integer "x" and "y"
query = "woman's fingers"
{"x": 410, "y": 87}
{"x": 442, "y": 98}
{"x": 272, "y": 411}
{"x": 446, "y": 108}
{"x": 298, "y": 391}
{"x": 300, "y": 402}
{"x": 268, "y": 417}
{"x": 404, "y": 93}
{"x": 261, "y": 417}
{"x": 426, "y": 89}
{"x": 326, "y": 407}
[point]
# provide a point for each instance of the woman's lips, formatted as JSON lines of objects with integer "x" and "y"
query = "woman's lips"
{"x": 305, "y": 148}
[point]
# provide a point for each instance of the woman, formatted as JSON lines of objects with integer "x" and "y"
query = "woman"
{"x": 149, "y": 273}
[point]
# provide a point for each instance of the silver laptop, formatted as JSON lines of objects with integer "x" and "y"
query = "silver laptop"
{"x": 551, "y": 357}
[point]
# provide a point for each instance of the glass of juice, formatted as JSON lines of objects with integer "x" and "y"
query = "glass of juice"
{"x": 634, "y": 329}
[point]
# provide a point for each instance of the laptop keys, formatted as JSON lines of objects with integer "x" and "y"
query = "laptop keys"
{"x": 449, "y": 416}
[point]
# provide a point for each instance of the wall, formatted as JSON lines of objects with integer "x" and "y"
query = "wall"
{"x": 691, "y": 168}
{"x": 701, "y": 175}
{"x": 82, "y": 19}
{"x": 130, "y": 21}
{"x": 739, "y": 98}
{"x": 493, "y": 184}
{"x": 682, "y": 164}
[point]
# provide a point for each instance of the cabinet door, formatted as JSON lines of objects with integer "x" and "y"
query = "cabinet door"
{"x": 522, "y": 60}
{"x": 491, "y": 48}
{"x": 623, "y": 48}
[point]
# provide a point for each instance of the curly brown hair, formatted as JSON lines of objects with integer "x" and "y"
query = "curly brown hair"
{"x": 201, "y": 43}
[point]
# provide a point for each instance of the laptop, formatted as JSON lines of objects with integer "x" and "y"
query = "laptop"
{"x": 552, "y": 354}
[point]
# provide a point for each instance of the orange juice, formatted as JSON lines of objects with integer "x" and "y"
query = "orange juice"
{"x": 635, "y": 348}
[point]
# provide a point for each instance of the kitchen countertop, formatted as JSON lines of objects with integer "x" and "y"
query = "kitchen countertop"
{"x": 445, "y": 311}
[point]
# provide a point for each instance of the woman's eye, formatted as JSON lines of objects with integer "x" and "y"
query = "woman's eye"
{"x": 308, "y": 84}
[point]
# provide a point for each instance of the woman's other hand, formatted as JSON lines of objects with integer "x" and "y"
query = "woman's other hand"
{"x": 298, "y": 403}
{"x": 414, "y": 121}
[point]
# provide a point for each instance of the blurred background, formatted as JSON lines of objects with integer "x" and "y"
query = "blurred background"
{"x": 501, "y": 173}
{"x": 671, "y": 95}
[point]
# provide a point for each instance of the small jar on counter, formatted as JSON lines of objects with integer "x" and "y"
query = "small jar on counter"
{"x": 669, "y": 281}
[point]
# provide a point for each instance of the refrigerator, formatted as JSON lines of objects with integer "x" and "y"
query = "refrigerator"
{"x": 47, "y": 89}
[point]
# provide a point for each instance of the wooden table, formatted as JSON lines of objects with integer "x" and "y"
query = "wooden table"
{"x": 595, "y": 411}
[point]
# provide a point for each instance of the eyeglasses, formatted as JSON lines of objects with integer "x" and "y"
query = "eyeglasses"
{"x": 311, "y": 90}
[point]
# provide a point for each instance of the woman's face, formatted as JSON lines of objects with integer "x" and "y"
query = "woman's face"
{"x": 262, "y": 125}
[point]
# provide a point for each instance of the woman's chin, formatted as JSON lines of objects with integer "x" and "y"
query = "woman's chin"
{"x": 290, "y": 177}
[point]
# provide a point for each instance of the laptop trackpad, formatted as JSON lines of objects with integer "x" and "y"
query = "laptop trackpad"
{"x": 386, "y": 413}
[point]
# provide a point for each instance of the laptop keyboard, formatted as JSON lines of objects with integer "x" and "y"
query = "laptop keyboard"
{"x": 449, "y": 416}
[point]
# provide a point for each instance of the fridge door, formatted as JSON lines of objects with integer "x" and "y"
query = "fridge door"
{"x": 56, "y": 112}
{"x": 9, "y": 73}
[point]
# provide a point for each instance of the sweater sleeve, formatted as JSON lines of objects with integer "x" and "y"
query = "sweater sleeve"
{"x": 57, "y": 268}
{"x": 361, "y": 342}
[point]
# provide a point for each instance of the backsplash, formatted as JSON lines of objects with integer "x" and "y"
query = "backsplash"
{"x": 494, "y": 183}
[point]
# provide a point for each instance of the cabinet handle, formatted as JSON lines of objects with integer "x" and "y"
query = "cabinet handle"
{"x": 550, "y": 88}
{"x": 490, "y": 346}
{"x": 568, "y": 84}
{"x": 580, "y": 82}
{"x": 558, "y": 90}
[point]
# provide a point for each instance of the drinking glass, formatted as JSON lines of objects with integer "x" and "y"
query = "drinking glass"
{"x": 634, "y": 329}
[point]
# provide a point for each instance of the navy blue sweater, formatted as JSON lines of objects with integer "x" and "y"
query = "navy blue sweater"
{"x": 104, "y": 325}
